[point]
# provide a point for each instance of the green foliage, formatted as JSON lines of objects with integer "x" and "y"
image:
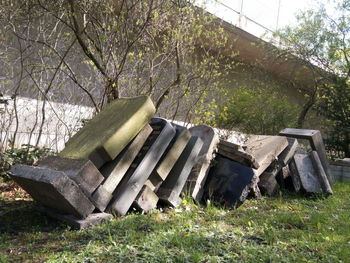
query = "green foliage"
{"x": 322, "y": 39}
{"x": 257, "y": 111}
{"x": 288, "y": 228}
{"x": 27, "y": 154}
{"x": 334, "y": 105}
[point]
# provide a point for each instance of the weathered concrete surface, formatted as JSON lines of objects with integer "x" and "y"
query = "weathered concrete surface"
{"x": 237, "y": 153}
{"x": 146, "y": 200}
{"x": 265, "y": 150}
{"x": 295, "y": 175}
{"x": 53, "y": 189}
{"x": 322, "y": 177}
{"x": 91, "y": 220}
{"x": 307, "y": 173}
{"x": 169, "y": 158}
{"x": 171, "y": 188}
{"x": 229, "y": 182}
{"x": 316, "y": 143}
{"x": 115, "y": 170}
{"x": 268, "y": 184}
{"x": 286, "y": 156}
{"x": 143, "y": 165}
{"x": 83, "y": 172}
{"x": 196, "y": 180}
{"x": 108, "y": 133}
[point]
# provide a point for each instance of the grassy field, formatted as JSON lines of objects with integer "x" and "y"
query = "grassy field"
{"x": 287, "y": 228}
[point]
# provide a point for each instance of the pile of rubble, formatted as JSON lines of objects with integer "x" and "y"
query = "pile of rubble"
{"x": 124, "y": 158}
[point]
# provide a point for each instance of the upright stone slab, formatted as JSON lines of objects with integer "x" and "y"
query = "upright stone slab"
{"x": 265, "y": 150}
{"x": 307, "y": 173}
{"x": 237, "y": 153}
{"x": 169, "y": 158}
{"x": 196, "y": 180}
{"x": 146, "y": 200}
{"x": 115, "y": 170}
{"x": 316, "y": 142}
{"x": 109, "y": 132}
{"x": 322, "y": 177}
{"x": 170, "y": 190}
{"x": 53, "y": 189}
{"x": 229, "y": 182}
{"x": 143, "y": 165}
{"x": 83, "y": 172}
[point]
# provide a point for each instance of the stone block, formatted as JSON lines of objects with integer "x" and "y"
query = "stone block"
{"x": 265, "y": 150}
{"x": 322, "y": 177}
{"x": 115, "y": 170}
{"x": 81, "y": 171}
{"x": 268, "y": 184}
{"x": 196, "y": 180}
{"x": 173, "y": 152}
{"x": 53, "y": 189}
{"x": 316, "y": 143}
{"x": 229, "y": 182}
{"x": 307, "y": 174}
{"x": 110, "y": 131}
{"x": 237, "y": 153}
{"x": 150, "y": 154}
{"x": 146, "y": 200}
{"x": 170, "y": 190}
{"x": 169, "y": 158}
{"x": 286, "y": 156}
{"x": 76, "y": 223}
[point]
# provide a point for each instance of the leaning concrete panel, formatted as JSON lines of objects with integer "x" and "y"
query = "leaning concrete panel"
{"x": 83, "y": 172}
{"x": 173, "y": 152}
{"x": 108, "y": 133}
{"x": 53, "y": 189}
{"x": 196, "y": 180}
{"x": 308, "y": 176}
{"x": 143, "y": 165}
{"x": 115, "y": 170}
{"x": 171, "y": 188}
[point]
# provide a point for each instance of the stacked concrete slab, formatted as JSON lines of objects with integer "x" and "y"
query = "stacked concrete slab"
{"x": 124, "y": 159}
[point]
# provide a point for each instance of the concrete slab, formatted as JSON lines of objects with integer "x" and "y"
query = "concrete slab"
{"x": 237, "y": 153}
{"x": 143, "y": 165}
{"x": 53, "y": 189}
{"x": 286, "y": 156}
{"x": 196, "y": 180}
{"x": 268, "y": 184}
{"x": 146, "y": 200}
{"x": 170, "y": 190}
{"x": 115, "y": 170}
{"x": 81, "y": 171}
{"x": 316, "y": 143}
{"x": 322, "y": 177}
{"x": 265, "y": 150}
{"x": 76, "y": 223}
{"x": 109, "y": 132}
{"x": 229, "y": 182}
{"x": 307, "y": 173}
{"x": 169, "y": 158}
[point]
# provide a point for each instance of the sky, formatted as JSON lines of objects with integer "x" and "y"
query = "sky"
{"x": 259, "y": 16}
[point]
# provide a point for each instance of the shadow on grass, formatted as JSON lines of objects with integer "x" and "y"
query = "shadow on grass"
{"x": 21, "y": 216}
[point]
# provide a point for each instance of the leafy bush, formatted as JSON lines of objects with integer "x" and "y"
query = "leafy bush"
{"x": 27, "y": 154}
{"x": 257, "y": 111}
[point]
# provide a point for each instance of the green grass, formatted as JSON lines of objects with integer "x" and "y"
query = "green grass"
{"x": 288, "y": 228}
